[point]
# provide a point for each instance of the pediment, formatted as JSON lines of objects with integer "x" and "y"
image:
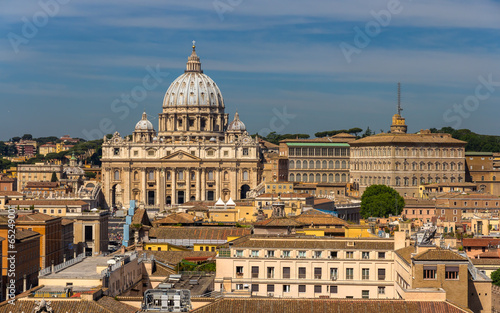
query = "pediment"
{"x": 180, "y": 156}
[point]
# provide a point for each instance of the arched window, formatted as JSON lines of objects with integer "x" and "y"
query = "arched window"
{"x": 245, "y": 175}
{"x": 414, "y": 181}
{"x": 323, "y": 178}
{"x": 210, "y": 175}
{"x": 337, "y": 164}
{"x": 324, "y": 164}
{"x": 452, "y": 179}
{"x": 452, "y": 166}
{"x": 226, "y": 176}
{"x": 292, "y": 177}
{"x": 344, "y": 164}
{"x": 422, "y": 164}
{"x": 330, "y": 178}
{"x": 311, "y": 164}
{"x": 193, "y": 175}
{"x": 311, "y": 178}
{"x": 460, "y": 179}
{"x": 459, "y": 166}
{"x": 136, "y": 175}
{"x": 180, "y": 175}
{"x": 422, "y": 180}
{"x": 318, "y": 164}
{"x": 344, "y": 178}
{"x": 304, "y": 164}
{"x": 337, "y": 178}
{"x": 318, "y": 178}
{"x": 298, "y": 177}
{"x": 117, "y": 175}
{"x": 298, "y": 164}
{"x": 291, "y": 164}
{"x": 437, "y": 166}
{"x": 151, "y": 175}
{"x": 398, "y": 181}
{"x": 330, "y": 164}
{"x": 406, "y": 181}
{"x": 304, "y": 176}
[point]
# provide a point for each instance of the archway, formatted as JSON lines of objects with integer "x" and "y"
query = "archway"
{"x": 244, "y": 189}
{"x": 113, "y": 196}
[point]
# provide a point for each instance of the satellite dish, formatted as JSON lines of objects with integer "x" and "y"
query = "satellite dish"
{"x": 94, "y": 210}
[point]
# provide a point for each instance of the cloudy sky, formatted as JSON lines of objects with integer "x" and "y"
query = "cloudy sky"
{"x": 286, "y": 65}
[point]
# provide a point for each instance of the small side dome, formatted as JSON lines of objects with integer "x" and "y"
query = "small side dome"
{"x": 144, "y": 124}
{"x": 236, "y": 124}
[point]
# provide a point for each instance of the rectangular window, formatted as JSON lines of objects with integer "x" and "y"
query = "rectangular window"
{"x": 333, "y": 273}
{"x": 365, "y": 294}
{"x": 334, "y": 289}
{"x": 239, "y": 270}
{"x": 245, "y": 151}
{"x": 302, "y": 272}
{"x": 381, "y": 290}
{"x": 430, "y": 272}
{"x": 317, "y": 273}
{"x": 451, "y": 272}
{"x": 381, "y": 274}
{"x": 286, "y": 272}
{"x": 365, "y": 273}
{"x": 302, "y": 288}
{"x": 255, "y": 287}
{"x": 333, "y": 254}
{"x": 270, "y": 253}
{"x": 286, "y": 253}
{"x": 255, "y": 253}
{"x": 365, "y": 255}
{"x": 302, "y": 254}
{"x": 317, "y": 254}
{"x": 255, "y": 272}
{"x": 381, "y": 255}
{"x": 239, "y": 253}
{"x": 270, "y": 272}
{"x": 286, "y": 288}
{"x": 317, "y": 288}
{"x": 349, "y": 273}
{"x": 270, "y": 288}
{"x": 349, "y": 255}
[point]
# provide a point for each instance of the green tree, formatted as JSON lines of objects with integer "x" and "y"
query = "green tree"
{"x": 380, "y": 201}
{"x": 368, "y": 132}
{"x": 495, "y": 276}
{"x": 54, "y": 177}
{"x": 27, "y": 137}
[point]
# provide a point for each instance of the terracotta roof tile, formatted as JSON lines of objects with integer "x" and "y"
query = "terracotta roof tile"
{"x": 177, "y": 218}
{"x": 439, "y": 255}
{"x": 115, "y": 306}
{"x": 197, "y": 232}
{"x": 285, "y": 195}
{"x": 10, "y": 193}
{"x": 48, "y": 202}
{"x": 35, "y": 217}
{"x": 250, "y": 305}
{"x": 480, "y": 242}
{"x": 174, "y": 257}
{"x": 432, "y": 138}
{"x": 319, "y": 218}
{"x": 58, "y": 306}
{"x": 278, "y": 222}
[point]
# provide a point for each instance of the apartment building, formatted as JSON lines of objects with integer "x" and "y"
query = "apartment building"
{"x": 307, "y": 267}
{"x": 451, "y": 206}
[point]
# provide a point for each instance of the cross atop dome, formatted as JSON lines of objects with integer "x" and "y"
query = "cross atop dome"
{"x": 193, "y": 63}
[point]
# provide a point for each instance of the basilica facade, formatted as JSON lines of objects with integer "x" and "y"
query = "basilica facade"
{"x": 194, "y": 155}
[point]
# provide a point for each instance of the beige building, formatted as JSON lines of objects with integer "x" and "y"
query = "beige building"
{"x": 483, "y": 168}
{"x": 405, "y": 161}
{"x": 195, "y": 155}
{"x": 320, "y": 160}
{"x": 38, "y": 172}
{"x": 90, "y": 231}
{"x": 307, "y": 267}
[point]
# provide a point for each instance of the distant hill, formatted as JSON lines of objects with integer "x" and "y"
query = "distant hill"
{"x": 475, "y": 142}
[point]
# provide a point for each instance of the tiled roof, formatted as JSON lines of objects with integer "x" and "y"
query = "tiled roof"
{"x": 48, "y": 202}
{"x": 408, "y": 138}
{"x": 141, "y": 217}
{"x": 322, "y": 200}
{"x": 278, "y": 222}
{"x": 492, "y": 254}
{"x": 480, "y": 242}
{"x": 22, "y": 234}
{"x": 66, "y": 221}
{"x": 41, "y": 184}
{"x": 438, "y": 254}
{"x": 405, "y": 253}
{"x": 197, "y": 232}
{"x": 485, "y": 261}
{"x": 285, "y": 195}
{"x": 177, "y": 218}
{"x": 268, "y": 144}
{"x": 470, "y": 195}
{"x": 319, "y": 218}
{"x": 35, "y": 217}
{"x": 326, "y": 306}
{"x": 10, "y": 193}
{"x": 312, "y": 242}
{"x": 57, "y": 306}
{"x": 115, "y": 306}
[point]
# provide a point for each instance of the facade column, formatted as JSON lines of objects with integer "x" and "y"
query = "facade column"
{"x": 203, "y": 185}
{"x": 198, "y": 187}
{"x": 158, "y": 187}
{"x": 126, "y": 186}
{"x": 234, "y": 183}
{"x": 174, "y": 186}
{"x": 217, "y": 184}
{"x": 161, "y": 189}
{"x": 188, "y": 185}
{"x": 144, "y": 187}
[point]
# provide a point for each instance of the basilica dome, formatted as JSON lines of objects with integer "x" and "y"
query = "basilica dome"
{"x": 144, "y": 124}
{"x": 193, "y": 88}
{"x": 236, "y": 124}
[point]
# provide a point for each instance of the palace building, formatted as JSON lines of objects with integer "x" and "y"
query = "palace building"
{"x": 195, "y": 155}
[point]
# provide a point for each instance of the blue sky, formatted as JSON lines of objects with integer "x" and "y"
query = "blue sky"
{"x": 266, "y": 56}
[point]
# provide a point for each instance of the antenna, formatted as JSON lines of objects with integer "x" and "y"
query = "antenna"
{"x": 399, "y": 99}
